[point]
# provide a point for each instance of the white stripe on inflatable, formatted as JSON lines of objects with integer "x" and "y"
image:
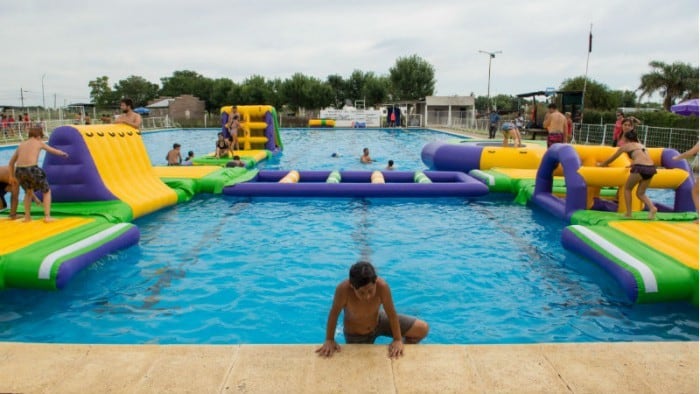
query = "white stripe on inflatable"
{"x": 50, "y": 260}
{"x": 489, "y": 177}
{"x": 650, "y": 285}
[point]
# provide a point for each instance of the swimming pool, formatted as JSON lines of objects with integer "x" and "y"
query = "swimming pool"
{"x": 226, "y": 270}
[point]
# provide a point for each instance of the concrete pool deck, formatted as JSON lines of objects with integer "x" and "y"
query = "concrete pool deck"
{"x": 620, "y": 367}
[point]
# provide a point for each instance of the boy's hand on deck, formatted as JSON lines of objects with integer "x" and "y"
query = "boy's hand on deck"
{"x": 328, "y": 348}
{"x": 396, "y": 349}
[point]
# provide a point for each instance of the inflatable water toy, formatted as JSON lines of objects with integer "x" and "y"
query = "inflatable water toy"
{"x": 105, "y": 163}
{"x": 652, "y": 261}
{"x": 359, "y": 184}
{"x": 584, "y": 179}
{"x": 470, "y": 155}
{"x": 47, "y": 255}
{"x": 321, "y": 123}
{"x": 250, "y": 157}
{"x": 259, "y": 126}
{"x": 187, "y": 181}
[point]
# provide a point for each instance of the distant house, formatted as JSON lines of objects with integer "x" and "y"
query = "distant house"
{"x": 183, "y": 107}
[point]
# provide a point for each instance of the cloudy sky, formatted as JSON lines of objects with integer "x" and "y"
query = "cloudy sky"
{"x": 67, "y": 44}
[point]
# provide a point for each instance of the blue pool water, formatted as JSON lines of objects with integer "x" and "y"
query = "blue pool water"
{"x": 225, "y": 270}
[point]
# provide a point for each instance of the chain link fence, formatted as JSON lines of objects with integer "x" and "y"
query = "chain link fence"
{"x": 653, "y": 137}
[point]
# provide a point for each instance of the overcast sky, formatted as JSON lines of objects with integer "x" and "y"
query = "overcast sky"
{"x": 544, "y": 42}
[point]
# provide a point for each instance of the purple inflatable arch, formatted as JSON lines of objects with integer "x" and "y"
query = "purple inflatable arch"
{"x": 75, "y": 178}
{"x": 575, "y": 185}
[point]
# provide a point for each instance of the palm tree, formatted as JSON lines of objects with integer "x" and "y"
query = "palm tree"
{"x": 677, "y": 80}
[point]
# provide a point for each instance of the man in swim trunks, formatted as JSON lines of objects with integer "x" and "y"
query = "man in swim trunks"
{"x": 365, "y": 158}
{"x": 29, "y": 175}
{"x": 7, "y": 187}
{"x": 360, "y": 297}
{"x": 128, "y": 115}
{"x": 555, "y": 123}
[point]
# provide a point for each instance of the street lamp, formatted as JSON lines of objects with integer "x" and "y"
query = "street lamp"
{"x": 43, "y": 97}
{"x": 492, "y": 55}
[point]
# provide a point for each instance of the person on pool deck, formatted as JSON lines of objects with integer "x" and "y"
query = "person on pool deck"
{"x": 174, "y": 157}
{"x": 28, "y": 174}
{"x": 236, "y": 162}
{"x": 365, "y": 158}
{"x": 7, "y": 187}
{"x": 390, "y": 166}
{"x": 509, "y": 130}
{"x": 555, "y": 123}
{"x": 642, "y": 168}
{"x": 359, "y": 297}
{"x": 128, "y": 116}
{"x": 694, "y": 166}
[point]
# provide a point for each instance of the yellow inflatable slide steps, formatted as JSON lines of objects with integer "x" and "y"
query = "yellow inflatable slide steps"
{"x": 252, "y": 123}
{"x": 106, "y": 162}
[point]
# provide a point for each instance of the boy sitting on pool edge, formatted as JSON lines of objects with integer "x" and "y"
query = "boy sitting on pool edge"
{"x": 360, "y": 297}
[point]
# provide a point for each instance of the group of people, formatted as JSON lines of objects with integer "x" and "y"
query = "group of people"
{"x": 11, "y": 126}
{"x": 174, "y": 156}
{"x": 367, "y": 159}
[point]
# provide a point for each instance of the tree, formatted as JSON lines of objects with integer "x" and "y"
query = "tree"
{"x": 138, "y": 89}
{"x": 255, "y": 90}
{"x": 220, "y": 91}
{"x": 101, "y": 93}
{"x": 376, "y": 89}
{"x": 188, "y": 82}
{"x": 339, "y": 88}
{"x": 673, "y": 81}
{"x": 412, "y": 78}
{"x": 597, "y": 94}
{"x": 623, "y": 98}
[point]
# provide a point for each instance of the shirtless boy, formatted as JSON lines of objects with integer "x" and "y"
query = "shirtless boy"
{"x": 365, "y": 158}
{"x": 360, "y": 297}
{"x": 128, "y": 116}
{"x": 555, "y": 123}
{"x": 7, "y": 187}
{"x": 28, "y": 173}
{"x": 174, "y": 157}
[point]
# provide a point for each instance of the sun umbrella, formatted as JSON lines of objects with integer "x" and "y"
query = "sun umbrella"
{"x": 686, "y": 108}
{"x": 142, "y": 110}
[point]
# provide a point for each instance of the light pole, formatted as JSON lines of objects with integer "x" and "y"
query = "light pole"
{"x": 43, "y": 97}
{"x": 492, "y": 55}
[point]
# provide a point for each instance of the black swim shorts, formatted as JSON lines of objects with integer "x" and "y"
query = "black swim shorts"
{"x": 32, "y": 178}
{"x": 383, "y": 329}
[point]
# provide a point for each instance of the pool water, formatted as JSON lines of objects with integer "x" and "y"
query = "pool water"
{"x": 221, "y": 270}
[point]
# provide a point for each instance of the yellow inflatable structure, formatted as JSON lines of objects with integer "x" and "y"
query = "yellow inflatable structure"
{"x": 617, "y": 172}
{"x": 106, "y": 162}
{"x": 252, "y": 125}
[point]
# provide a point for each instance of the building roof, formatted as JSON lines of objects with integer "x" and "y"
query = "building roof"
{"x": 165, "y": 103}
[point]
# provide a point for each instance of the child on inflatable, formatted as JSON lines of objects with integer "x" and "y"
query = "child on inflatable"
{"x": 642, "y": 168}
{"x": 222, "y": 146}
{"x": 510, "y": 131}
{"x": 29, "y": 175}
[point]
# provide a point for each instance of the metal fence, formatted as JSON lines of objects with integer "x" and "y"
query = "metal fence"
{"x": 457, "y": 119}
{"x": 17, "y": 131}
{"x": 662, "y": 137}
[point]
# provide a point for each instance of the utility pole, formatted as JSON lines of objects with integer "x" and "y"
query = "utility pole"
{"x": 492, "y": 55}
{"x": 43, "y": 96}
{"x": 21, "y": 96}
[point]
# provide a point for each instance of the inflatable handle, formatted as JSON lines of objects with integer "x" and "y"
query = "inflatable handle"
{"x": 333, "y": 177}
{"x": 420, "y": 177}
{"x": 291, "y": 177}
{"x": 377, "y": 177}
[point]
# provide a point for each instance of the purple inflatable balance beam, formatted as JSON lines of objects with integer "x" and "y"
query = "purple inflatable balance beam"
{"x": 357, "y": 184}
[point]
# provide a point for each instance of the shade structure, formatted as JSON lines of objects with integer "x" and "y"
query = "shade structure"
{"x": 142, "y": 110}
{"x": 686, "y": 108}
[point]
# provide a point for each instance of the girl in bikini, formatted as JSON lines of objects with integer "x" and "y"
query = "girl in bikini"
{"x": 642, "y": 168}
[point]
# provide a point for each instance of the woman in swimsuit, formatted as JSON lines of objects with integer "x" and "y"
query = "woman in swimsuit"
{"x": 222, "y": 146}
{"x": 642, "y": 168}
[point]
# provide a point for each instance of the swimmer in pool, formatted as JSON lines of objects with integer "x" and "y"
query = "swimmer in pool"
{"x": 359, "y": 298}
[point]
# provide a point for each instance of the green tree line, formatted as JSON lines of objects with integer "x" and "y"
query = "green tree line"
{"x": 410, "y": 78}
